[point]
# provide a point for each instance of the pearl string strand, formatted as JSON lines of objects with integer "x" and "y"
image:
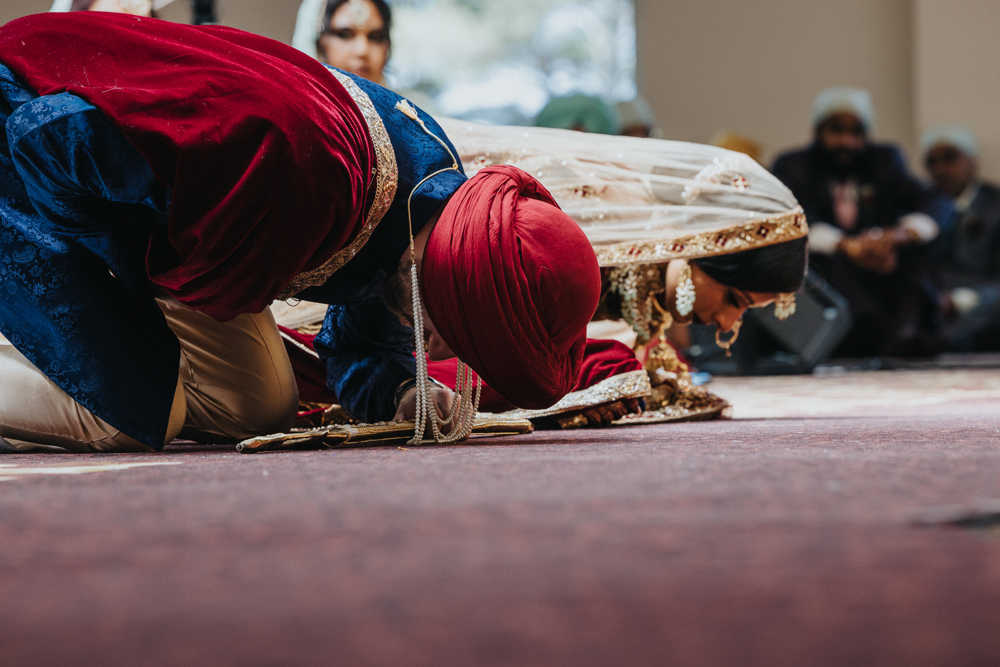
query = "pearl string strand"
{"x": 462, "y": 420}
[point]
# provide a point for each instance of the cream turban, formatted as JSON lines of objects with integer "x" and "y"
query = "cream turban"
{"x": 957, "y": 136}
{"x": 845, "y": 100}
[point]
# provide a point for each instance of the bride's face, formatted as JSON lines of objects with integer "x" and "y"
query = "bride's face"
{"x": 714, "y": 303}
{"x": 357, "y": 41}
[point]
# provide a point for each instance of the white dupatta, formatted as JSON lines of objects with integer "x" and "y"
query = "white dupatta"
{"x": 643, "y": 200}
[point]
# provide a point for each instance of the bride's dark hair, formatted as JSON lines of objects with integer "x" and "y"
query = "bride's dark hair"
{"x": 774, "y": 268}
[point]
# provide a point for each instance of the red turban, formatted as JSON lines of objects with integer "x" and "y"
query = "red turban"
{"x": 510, "y": 282}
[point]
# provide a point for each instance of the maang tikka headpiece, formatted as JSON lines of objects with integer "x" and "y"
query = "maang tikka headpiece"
{"x": 359, "y": 11}
{"x": 463, "y": 419}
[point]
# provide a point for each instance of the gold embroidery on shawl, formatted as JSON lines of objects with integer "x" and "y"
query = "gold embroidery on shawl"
{"x": 755, "y": 234}
{"x": 386, "y": 180}
{"x": 674, "y": 398}
{"x": 633, "y": 384}
{"x": 362, "y": 435}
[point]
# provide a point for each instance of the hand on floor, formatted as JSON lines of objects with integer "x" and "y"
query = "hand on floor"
{"x": 443, "y": 398}
{"x": 603, "y": 415}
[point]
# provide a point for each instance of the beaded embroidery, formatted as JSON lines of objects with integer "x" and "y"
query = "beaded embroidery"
{"x": 756, "y": 234}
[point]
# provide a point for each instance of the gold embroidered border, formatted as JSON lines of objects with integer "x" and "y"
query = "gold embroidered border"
{"x": 386, "y": 174}
{"x": 748, "y": 236}
{"x": 713, "y": 408}
{"x": 634, "y": 384}
{"x": 359, "y": 435}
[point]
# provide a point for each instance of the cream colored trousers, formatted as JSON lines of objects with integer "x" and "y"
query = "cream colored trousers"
{"x": 235, "y": 381}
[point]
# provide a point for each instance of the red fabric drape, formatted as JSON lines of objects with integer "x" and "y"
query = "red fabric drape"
{"x": 602, "y": 359}
{"x": 267, "y": 156}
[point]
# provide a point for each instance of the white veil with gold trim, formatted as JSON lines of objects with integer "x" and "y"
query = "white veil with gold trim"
{"x": 643, "y": 200}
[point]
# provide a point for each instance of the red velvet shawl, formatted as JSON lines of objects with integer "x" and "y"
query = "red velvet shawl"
{"x": 267, "y": 156}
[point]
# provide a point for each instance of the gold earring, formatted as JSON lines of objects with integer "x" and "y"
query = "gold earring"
{"x": 726, "y": 344}
{"x": 784, "y": 306}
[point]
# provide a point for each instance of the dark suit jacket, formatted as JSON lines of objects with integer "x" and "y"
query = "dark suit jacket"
{"x": 887, "y": 190}
{"x": 970, "y": 248}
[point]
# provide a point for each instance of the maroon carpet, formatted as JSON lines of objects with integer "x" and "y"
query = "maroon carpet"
{"x": 754, "y": 542}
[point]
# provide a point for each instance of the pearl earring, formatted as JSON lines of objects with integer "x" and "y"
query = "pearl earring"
{"x": 685, "y": 292}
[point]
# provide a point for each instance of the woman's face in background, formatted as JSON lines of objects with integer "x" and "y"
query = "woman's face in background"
{"x": 357, "y": 41}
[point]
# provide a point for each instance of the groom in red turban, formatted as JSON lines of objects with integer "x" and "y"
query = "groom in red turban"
{"x": 161, "y": 184}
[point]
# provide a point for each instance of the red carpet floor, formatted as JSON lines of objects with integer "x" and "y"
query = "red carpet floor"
{"x": 807, "y": 532}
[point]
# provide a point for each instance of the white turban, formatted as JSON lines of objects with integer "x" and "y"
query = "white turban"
{"x": 956, "y": 136}
{"x": 845, "y": 100}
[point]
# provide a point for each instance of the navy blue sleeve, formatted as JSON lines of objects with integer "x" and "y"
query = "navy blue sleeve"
{"x": 85, "y": 180}
{"x": 368, "y": 352}
{"x": 77, "y": 199}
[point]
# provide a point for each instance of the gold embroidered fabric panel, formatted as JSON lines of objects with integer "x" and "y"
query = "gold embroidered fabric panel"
{"x": 756, "y": 234}
{"x": 386, "y": 174}
{"x": 634, "y": 384}
{"x": 361, "y": 435}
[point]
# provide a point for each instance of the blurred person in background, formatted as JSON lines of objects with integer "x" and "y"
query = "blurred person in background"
{"x": 352, "y": 35}
{"x": 355, "y": 37}
{"x": 583, "y": 113}
{"x": 969, "y": 249}
{"x": 870, "y": 222}
{"x": 637, "y": 119}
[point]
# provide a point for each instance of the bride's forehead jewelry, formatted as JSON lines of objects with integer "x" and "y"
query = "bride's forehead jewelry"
{"x": 468, "y": 386}
{"x": 359, "y": 11}
{"x": 784, "y": 306}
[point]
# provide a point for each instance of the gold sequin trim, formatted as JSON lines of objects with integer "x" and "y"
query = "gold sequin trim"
{"x": 386, "y": 181}
{"x": 756, "y": 234}
{"x": 634, "y": 384}
{"x": 710, "y": 407}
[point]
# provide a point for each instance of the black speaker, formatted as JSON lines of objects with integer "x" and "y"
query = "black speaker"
{"x": 769, "y": 346}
